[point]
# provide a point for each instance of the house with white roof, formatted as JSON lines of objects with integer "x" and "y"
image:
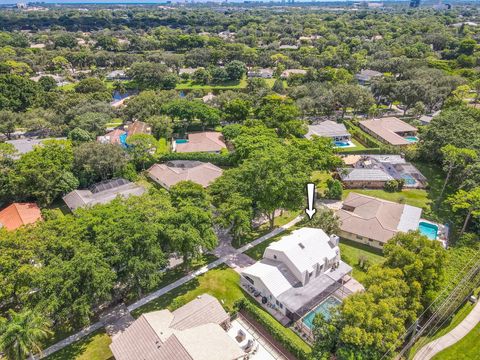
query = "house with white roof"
{"x": 297, "y": 272}
{"x": 330, "y": 129}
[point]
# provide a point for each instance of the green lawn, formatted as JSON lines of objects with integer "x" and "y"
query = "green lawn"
{"x": 358, "y": 146}
{"x": 163, "y": 147}
{"x": 92, "y": 347}
{"x": 352, "y": 253}
{"x": 467, "y": 348}
{"x": 320, "y": 178}
{"x": 414, "y": 197}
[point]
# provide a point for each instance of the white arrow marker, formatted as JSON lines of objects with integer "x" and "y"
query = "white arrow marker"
{"x": 310, "y": 211}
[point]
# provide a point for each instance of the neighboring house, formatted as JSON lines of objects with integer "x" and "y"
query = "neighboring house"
{"x": 117, "y": 75}
{"x": 391, "y": 131}
{"x": 330, "y": 129}
{"x": 207, "y": 141}
{"x": 138, "y": 127}
{"x": 364, "y": 77}
{"x": 297, "y": 272}
{"x": 209, "y": 97}
{"x": 19, "y": 214}
{"x": 363, "y": 178}
{"x": 227, "y": 35}
{"x": 460, "y": 24}
{"x": 373, "y": 171}
{"x": 37, "y": 46}
{"x": 116, "y": 136}
{"x": 102, "y": 193}
{"x": 174, "y": 171}
{"x": 288, "y": 47}
{"x": 285, "y": 74}
{"x": 261, "y": 73}
{"x": 23, "y": 146}
{"x": 59, "y": 80}
{"x": 189, "y": 71}
{"x": 195, "y": 331}
{"x": 374, "y": 221}
{"x": 427, "y": 119}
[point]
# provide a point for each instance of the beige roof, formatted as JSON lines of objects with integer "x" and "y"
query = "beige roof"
{"x": 387, "y": 129}
{"x": 138, "y": 127}
{"x": 192, "y": 332}
{"x": 172, "y": 172}
{"x": 375, "y": 218}
{"x": 209, "y": 141}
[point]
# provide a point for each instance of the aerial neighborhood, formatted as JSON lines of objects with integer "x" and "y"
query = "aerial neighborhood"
{"x": 241, "y": 180}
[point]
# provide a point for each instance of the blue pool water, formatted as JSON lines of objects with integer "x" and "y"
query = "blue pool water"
{"x": 409, "y": 180}
{"x": 411, "y": 138}
{"x": 427, "y": 229}
{"x": 181, "y": 141}
{"x": 324, "y": 308}
{"x": 342, "y": 143}
{"x": 123, "y": 139}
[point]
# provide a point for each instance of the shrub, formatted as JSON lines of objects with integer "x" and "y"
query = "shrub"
{"x": 294, "y": 344}
{"x": 394, "y": 185}
{"x": 334, "y": 189}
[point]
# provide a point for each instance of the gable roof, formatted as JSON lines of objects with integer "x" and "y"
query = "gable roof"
{"x": 375, "y": 218}
{"x": 173, "y": 172}
{"x": 367, "y": 74}
{"x": 387, "y": 129}
{"x": 327, "y": 128}
{"x": 18, "y": 214}
{"x": 138, "y": 127}
{"x": 26, "y": 145}
{"x": 304, "y": 248}
{"x": 102, "y": 193}
{"x": 191, "y": 332}
{"x": 209, "y": 141}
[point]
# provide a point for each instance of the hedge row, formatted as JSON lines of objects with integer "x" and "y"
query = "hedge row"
{"x": 291, "y": 341}
{"x": 362, "y": 136}
{"x": 217, "y": 159}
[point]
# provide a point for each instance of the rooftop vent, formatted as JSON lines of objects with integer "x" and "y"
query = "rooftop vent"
{"x": 301, "y": 245}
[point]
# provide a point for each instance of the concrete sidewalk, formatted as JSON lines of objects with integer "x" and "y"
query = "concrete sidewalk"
{"x": 229, "y": 256}
{"x": 447, "y": 340}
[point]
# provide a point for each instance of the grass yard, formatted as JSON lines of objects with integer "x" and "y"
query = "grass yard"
{"x": 414, "y": 197}
{"x": 352, "y": 253}
{"x": 467, "y": 348}
{"x": 320, "y": 178}
{"x": 221, "y": 282}
{"x": 358, "y": 146}
{"x": 92, "y": 347}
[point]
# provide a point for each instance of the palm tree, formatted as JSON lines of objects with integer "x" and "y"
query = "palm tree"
{"x": 21, "y": 334}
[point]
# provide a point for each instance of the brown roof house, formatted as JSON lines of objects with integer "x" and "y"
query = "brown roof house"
{"x": 391, "y": 131}
{"x": 112, "y": 137}
{"x": 207, "y": 141}
{"x": 196, "y": 331}
{"x": 172, "y": 172}
{"x": 373, "y": 221}
{"x": 19, "y": 214}
{"x": 138, "y": 127}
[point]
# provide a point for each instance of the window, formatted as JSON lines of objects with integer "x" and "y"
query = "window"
{"x": 359, "y": 237}
{"x": 310, "y": 274}
{"x": 275, "y": 257}
{"x": 249, "y": 280}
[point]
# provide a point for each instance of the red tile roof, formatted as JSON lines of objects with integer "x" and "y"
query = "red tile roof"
{"x": 19, "y": 214}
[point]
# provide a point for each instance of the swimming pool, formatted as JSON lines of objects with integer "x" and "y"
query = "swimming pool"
{"x": 343, "y": 144}
{"x": 409, "y": 180}
{"x": 181, "y": 141}
{"x": 411, "y": 138}
{"x": 429, "y": 230}
{"x": 324, "y": 308}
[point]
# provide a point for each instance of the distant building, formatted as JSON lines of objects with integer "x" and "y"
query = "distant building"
{"x": 427, "y": 119}
{"x": 266, "y": 73}
{"x": 102, "y": 193}
{"x": 287, "y": 73}
{"x": 195, "y": 331}
{"x": 19, "y": 214}
{"x": 288, "y": 47}
{"x": 117, "y": 75}
{"x": 112, "y": 137}
{"x": 189, "y": 71}
{"x": 207, "y": 141}
{"x": 364, "y": 77}
{"x": 391, "y": 131}
{"x": 414, "y": 3}
{"x": 172, "y": 172}
{"x": 330, "y": 129}
{"x": 138, "y": 127}
{"x": 25, "y": 145}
